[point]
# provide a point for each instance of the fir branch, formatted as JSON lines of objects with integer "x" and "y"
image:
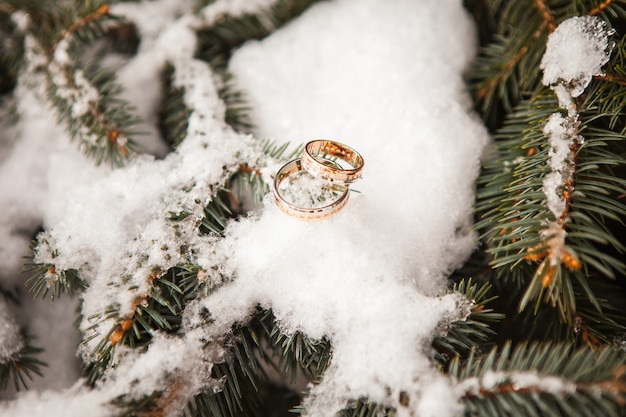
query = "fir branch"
{"x": 47, "y": 277}
{"x": 11, "y": 52}
{"x": 87, "y": 100}
{"x": 546, "y": 14}
{"x": 217, "y": 42}
{"x": 607, "y": 9}
{"x": 508, "y": 67}
{"x": 93, "y": 112}
{"x": 252, "y": 348}
{"x": 242, "y": 374}
{"x": 473, "y": 331}
{"x": 596, "y": 321}
{"x": 217, "y": 213}
{"x": 515, "y": 215}
{"x": 297, "y": 353}
{"x": 366, "y": 408}
{"x": 160, "y": 309}
{"x": 237, "y": 111}
{"x": 249, "y": 179}
{"x": 21, "y": 366}
{"x": 173, "y": 112}
{"x": 137, "y": 407}
{"x": 542, "y": 380}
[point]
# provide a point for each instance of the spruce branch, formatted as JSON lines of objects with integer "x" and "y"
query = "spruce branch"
{"x": 513, "y": 201}
{"x": 507, "y": 69}
{"x": 542, "y": 380}
{"x": 11, "y": 51}
{"x": 86, "y": 98}
{"x": 21, "y": 366}
{"x": 90, "y": 106}
{"x": 216, "y": 213}
{"x": 47, "y": 277}
{"x": 160, "y": 309}
{"x": 173, "y": 112}
{"x": 297, "y": 353}
{"x": 365, "y": 408}
{"x": 216, "y": 42}
{"x": 473, "y": 331}
{"x": 18, "y": 357}
{"x": 249, "y": 178}
{"x": 242, "y": 376}
{"x": 137, "y": 407}
{"x": 237, "y": 110}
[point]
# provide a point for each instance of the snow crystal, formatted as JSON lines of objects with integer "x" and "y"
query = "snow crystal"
{"x": 576, "y": 51}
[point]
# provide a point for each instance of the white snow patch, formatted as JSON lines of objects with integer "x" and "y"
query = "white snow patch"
{"x": 531, "y": 380}
{"x": 576, "y": 51}
{"x": 359, "y": 72}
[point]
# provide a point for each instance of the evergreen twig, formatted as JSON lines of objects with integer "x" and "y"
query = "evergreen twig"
{"x": 548, "y": 380}
{"x": 21, "y": 367}
{"x": 475, "y": 329}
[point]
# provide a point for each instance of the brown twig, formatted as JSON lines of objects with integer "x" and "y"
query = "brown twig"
{"x": 546, "y": 15}
{"x": 600, "y": 7}
{"x": 102, "y": 11}
{"x": 612, "y": 79}
{"x": 125, "y": 324}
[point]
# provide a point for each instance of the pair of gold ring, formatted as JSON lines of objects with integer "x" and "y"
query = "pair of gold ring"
{"x": 321, "y": 159}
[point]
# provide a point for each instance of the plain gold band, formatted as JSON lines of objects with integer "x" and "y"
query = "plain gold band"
{"x": 329, "y": 149}
{"x": 300, "y": 213}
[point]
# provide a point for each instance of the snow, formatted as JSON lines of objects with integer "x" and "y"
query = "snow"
{"x": 519, "y": 381}
{"x": 384, "y": 78}
{"x": 575, "y": 52}
{"x": 589, "y": 37}
{"x": 407, "y": 114}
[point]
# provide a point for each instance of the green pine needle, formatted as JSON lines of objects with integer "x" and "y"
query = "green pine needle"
{"x": 563, "y": 381}
{"x": 475, "y": 330}
{"x": 21, "y": 367}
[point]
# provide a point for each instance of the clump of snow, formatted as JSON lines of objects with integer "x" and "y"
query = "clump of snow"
{"x": 520, "y": 381}
{"x": 589, "y": 37}
{"x": 71, "y": 85}
{"x": 562, "y": 133}
{"x": 360, "y": 72}
{"x": 384, "y": 78}
{"x": 576, "y": 51}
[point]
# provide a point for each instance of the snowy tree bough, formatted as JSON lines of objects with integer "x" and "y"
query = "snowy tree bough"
{"x": 198, "y": 297}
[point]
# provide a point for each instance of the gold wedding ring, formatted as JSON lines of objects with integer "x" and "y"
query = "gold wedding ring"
{"x": 305, "y": 213}
{"x": 331, "y": 150}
